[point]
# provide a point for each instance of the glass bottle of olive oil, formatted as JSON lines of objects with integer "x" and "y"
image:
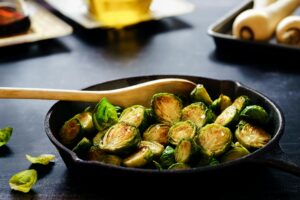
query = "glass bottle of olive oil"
{"x": 119, "y": 13}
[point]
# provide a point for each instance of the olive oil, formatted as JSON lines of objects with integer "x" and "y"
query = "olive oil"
{"x": 119, "y": 13}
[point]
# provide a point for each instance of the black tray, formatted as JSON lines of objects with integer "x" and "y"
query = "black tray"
{"x": 227, "y": 44}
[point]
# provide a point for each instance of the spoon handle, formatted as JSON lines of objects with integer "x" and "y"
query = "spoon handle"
{"x": 136, "y": 94}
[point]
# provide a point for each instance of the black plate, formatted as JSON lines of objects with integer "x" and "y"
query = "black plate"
{"x": 221, "y": 32}
{"x": 270, "y": 154}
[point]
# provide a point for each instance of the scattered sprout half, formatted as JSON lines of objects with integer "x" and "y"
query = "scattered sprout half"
{"x": 23, "y": 181}
{"x": 5, "y": 135}
{"x": 43, "y": 159}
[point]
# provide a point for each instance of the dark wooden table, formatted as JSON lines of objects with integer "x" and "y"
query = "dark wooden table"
{"x": 178, "y": 45}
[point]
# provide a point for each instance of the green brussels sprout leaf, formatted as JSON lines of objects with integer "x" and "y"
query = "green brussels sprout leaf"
{"x": 43, "y": 159}
{"x": 5, "y": 135}
{"x": 23, "y": 181}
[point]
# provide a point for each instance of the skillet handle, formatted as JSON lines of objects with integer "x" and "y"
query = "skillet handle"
{"x": 278, "y": 159}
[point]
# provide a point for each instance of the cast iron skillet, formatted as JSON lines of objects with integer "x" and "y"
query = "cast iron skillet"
{"x": 270, "y": 155}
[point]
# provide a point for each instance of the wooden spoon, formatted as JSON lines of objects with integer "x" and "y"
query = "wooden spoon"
{"x": 137, "y": 94}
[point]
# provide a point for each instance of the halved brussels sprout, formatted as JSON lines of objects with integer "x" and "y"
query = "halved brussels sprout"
{"x": 166, "y": 108}
{"x": 236, "y": 152}
{"x": 197, "y": 113}
{"x": 186, "y": 151}
{"x": 199, "y": 93}
{"x": 82, "y": 147}
{"x": 111, "y": 159}
{"x": 98, "y": 137}
{"x": 140, "y": 158}
{"x": 5, "y": 135}
{"x": 70, "y": 132}
{"x": 214, "y": 139}
{"x": 251, "y": 136}
{"x": 136, "y": 115}
{"x": 241, "y": 102}
{"x": 95, "y": 153}
{"x": 105, "y": 115}
{"x": 86, "y": 121}
{"x": 179, "y": 166}
{"x": 221, "y": 103}
{"x": 228, "y": 117}
{"x": 23, "y": 181}
{"x": 157, "y": 133}
{"x": 167, "y": 158}
{"x": 181, "y": 130}
{"x": 255, "y": 114}
{"x": 155, "y": 147}
{"x": 43, "y": 159}
{"x": 120, "y": 138}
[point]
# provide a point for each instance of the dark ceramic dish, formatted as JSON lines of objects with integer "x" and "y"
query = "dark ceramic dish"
{"x": 221, "y": 32}
{"x": 269, "y": 155}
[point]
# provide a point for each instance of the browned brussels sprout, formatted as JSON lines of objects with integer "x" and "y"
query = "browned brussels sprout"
{"x": 95, "y": 153}
{"x": 166, "y": 108}
{"x": 228, "y": 117}
{"x": 178, "y": 166}
{"x": 200, "y": 94}
{"x": 167, "y": 158}
{"x": 136, "y": 115}
{"x": 140, "y": 158}
{"x": 236, "y": 152}
{"x": 255, "y": 114}
{"x": 221, "y": 103}
{"x": 111, "y": 159}
{"x": 5, "y": 135}
{"x": 155, "y": 147}
{"x": 251, "y": 136}
{"x": 98, "y": 137}
{"x": 197, "y": 113}
{"x": 241, "y": 102}
{"x": 187, "y": 151}
{"x": 181, "y": 130}
{"x": 157, "y": 133}
{"x": 120, "y": 138}
{"x": 105, "y": 115}
{"x": 76, "y": 128}
{"x": 214, "y": 139}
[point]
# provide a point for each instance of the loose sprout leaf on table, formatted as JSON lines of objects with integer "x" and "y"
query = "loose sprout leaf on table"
{"x": 43, "y": 159}
{"x": 172, "y": 133}
{"x": 23, "y": 181}
{"x": 5, "y": 135}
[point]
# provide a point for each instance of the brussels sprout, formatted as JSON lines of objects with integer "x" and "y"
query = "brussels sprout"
{"x": 23, "y": 181}
{"x": 186, "y": 151}
{"x": 181, "y": 130}
{"x": 157, "y": 133}
{"x": 86, "y": 121}
{"x": 111, "y": 159}
{"x": 155, "y": 147}
{"x": 251, "y": 136}
{"x": 228, "y": 117}
{"x": 236, "y": 152}
{"x": 207, "y": 161}
{"x": 120, "y": 138}
{"x": 82, "y": 147}
{"x": 105, "y": 115}
{"x": 166, "y": 107}
{"x": 199, "y": 93}
{"x": 98, "y": 137}
{"x": 140, "y": 158}
{"x": 197, "y": 113}
{"x": 43, "y": 159}
{"x": 95, "y": 154}
{"x": 178, "y": 166}
{"x": 221, "y": 103}
{"x": 167, "y": 158}
{"x": 5, "y": 135}
{"x": 241, "y": 102}
{"x": 135, "y": 116}
{"x": 255, "y": 114}
{"x": 214, "y": 139}
{"x": 70, "y": 132}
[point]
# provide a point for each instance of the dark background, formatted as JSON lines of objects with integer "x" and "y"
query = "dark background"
{"x": 178, "y": 45}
